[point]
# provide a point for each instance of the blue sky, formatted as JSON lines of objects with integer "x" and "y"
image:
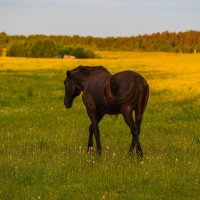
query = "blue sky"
{"x": 98, "y": 17}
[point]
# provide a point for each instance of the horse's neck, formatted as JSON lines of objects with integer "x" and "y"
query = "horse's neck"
{"x": 81, "y": 79}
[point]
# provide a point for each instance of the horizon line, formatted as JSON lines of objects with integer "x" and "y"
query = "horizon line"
{"x": 95, "y": 36}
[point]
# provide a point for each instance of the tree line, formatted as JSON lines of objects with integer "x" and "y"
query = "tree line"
{"x": 79, "y": 46}
{"x": 45, "y": 48}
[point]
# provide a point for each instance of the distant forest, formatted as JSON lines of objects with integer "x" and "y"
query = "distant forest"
{"x": 83, "y": 46}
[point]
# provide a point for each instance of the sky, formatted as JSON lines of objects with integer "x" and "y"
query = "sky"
{"x": 98, "y": 17}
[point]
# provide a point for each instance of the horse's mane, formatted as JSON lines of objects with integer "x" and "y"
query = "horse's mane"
{"x": 89, "y": 69}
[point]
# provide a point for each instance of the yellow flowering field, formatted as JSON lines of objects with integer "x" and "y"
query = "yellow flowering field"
{"x": 177, "y": 72}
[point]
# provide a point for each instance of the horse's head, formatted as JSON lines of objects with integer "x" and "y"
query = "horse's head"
{"x": 71, "y": 90}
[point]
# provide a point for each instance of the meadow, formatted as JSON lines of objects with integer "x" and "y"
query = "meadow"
{"x": 43, "y": 145}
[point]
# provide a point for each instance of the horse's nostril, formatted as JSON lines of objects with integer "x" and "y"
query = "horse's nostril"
{"x": 68, "y": 105}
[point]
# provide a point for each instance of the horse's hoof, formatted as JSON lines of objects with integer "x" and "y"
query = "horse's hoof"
{"x": 140, "y": 159}
{"x": 90, "y": 150}
{"x": 130, "y": 152}
{"x": 98, "y": 152}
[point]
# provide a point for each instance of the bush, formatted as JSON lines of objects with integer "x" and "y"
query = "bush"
{"x": 89, "y": 53}
{"x": 77, "y": 52}
{"x": 35, "y": 48}
{"x": 42, "y": 49}
{"x": 17, "y": 49}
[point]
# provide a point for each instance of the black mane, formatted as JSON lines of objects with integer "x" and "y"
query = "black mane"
{"x": 88, "y": 69}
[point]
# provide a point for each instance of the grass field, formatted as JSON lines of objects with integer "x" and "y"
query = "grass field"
{"x": 43, "y": 145}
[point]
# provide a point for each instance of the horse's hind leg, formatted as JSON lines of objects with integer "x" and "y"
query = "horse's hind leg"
{"x": 130, "y": 122}
{"x": 139, "y": 111}
{"x": 138, "y": 121}
{"x": 90, "y": 141}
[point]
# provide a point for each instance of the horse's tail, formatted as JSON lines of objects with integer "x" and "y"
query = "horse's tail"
{"x": 144, "y": 96}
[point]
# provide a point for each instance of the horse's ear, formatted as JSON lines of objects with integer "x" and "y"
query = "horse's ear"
{"x": 114, "y": 86}
{"x": 68, "y": 74}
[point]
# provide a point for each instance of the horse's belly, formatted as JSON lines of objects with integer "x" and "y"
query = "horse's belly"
{"x": 113, "y": 111}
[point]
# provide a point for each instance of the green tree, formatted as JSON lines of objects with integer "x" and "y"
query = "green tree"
{"x": 46, "y": 46}
{"x": 16, "y": 49}
{"x": 42, "y": 49}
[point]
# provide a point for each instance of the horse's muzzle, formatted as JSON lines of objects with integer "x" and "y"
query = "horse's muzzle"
{"x": 67, "y": 105}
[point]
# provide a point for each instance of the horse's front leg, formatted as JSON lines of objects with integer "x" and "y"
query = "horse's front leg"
{"x": 97, "y": 137}
{"x": 94, "y": 128}
{"x": 90, "y": 141}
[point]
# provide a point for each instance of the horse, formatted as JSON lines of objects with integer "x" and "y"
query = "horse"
{"x": 104, "y": 93}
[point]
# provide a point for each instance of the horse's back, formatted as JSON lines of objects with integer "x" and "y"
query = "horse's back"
{"x": 127, "y": 83}
{"x": 128, "y": 77}
{"x": 110, "y": 92}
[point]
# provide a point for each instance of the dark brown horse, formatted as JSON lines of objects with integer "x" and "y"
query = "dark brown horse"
{"x": 103, "y": 93}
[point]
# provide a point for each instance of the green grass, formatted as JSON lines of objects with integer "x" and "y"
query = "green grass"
{"x": 43, "y": 145}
